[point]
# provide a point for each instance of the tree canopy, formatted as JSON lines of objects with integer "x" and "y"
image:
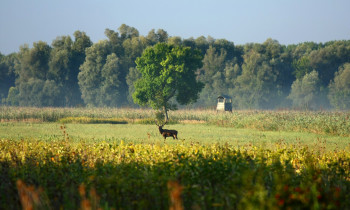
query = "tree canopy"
{"x": 167, "y": 71}
{"x": 77, "y": 72}
{"x": 306, "y": 92}
{"x": 339, "y": 88}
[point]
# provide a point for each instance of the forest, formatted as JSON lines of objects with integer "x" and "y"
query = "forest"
{"x": 75, "y": 72}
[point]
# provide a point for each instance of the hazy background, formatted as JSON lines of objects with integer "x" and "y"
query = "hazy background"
{"x": 288, "y": 21}
{"x": 271, "y": 54}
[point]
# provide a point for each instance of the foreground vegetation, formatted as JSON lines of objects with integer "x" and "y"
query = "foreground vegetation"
{"x": 115, "y": 158}
{"x": 151, "y": 176}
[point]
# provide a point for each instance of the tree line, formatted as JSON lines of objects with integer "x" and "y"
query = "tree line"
{"x": 74, "y": 71}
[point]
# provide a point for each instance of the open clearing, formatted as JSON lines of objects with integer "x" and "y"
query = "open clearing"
{"x": 188, "y": 133}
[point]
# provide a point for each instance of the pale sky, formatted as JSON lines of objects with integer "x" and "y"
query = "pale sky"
{"x": 244, "y": 21}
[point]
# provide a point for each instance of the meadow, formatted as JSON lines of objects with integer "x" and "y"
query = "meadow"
{"x": 102, "y": 158}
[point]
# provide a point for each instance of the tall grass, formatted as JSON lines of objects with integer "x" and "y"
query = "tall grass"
{"x": 55, "y": 114}
{"x": 323, "y": 122}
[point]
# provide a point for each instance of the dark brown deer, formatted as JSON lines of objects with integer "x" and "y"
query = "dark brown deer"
{"x": 167, "y": 133}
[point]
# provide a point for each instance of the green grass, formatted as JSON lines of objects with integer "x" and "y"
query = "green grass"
{"x": 189, "y": 133}
{"x": 320, "y": 122}
{"x": 116, "y": 158}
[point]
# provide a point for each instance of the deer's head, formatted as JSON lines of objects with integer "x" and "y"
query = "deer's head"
{"x": 160, "y": 126}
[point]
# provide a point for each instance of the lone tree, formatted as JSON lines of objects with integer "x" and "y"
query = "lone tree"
{"x": 167, "y": 71}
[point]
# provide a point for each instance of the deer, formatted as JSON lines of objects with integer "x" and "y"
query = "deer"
{"x": 166, "y": 133}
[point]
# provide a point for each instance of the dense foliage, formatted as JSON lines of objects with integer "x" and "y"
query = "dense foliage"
{"x": 167, "y": 72}
{"x": 268, "y": 75}
{"x": 60, "y": 174}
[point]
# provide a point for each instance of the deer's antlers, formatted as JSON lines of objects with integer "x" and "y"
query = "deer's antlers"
{"x": 157, "y": 123}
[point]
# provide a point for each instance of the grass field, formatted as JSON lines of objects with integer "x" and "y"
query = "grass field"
{"x": 116, "y": 159}
{"x": 188, "y": 133}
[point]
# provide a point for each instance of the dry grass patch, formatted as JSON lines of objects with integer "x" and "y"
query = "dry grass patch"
{"x": 29, "y": 120}
{"x": 193, "y": 121}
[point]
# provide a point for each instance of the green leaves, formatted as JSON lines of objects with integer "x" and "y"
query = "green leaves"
{"x": 305, "y": 92}
{"x": 99, "y": 78}
{"x": 302, "y": 67}
{"x": 339, "y": 88}
{"x": 134, "y": 176}
{"x": 256, "y": 86}
{"x": 167, "y": 71}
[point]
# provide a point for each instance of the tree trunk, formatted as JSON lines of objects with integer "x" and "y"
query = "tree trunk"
{"x": 166, "y": 114}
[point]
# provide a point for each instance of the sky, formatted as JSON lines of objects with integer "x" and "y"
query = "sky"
{"x": 239, "y": 21}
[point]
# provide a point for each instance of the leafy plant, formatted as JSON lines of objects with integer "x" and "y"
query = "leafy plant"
{"x": 133, "y": 176}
